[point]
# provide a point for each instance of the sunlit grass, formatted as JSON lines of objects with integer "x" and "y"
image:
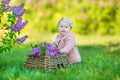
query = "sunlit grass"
{"x": 36, "y": 36}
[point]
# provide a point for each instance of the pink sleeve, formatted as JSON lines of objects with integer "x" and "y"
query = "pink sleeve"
{"x": 68, "y": 47}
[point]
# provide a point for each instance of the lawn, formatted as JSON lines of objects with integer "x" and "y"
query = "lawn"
{"x": 101, "y": 61}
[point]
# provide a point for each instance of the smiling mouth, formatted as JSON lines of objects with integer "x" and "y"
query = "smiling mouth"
{"x": 62, "y": 31}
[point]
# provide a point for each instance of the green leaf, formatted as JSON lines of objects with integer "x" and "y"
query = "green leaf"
{"x": 43, "y": 49}
{"x": 1, "y": 49}
{"x": 9, "y": 16}
{"x": 11, "y": 35}
{"x": 34, "y": 45}
{"x": 5, "y": 25}
{"x": 9, "y": 47}
{"x": 18, "y": 33}
{"x": 12, "y": 22}
{"x": 7, "y": 28}
{"x": 4, "y": 49}
{"x": 0, "y": 19}
{"x": 13, "y": 17}
{"x": 9, "y": 20}
{"x": 1, "y": 10}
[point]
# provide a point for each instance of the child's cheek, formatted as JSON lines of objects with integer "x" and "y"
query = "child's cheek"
{"x": 59, "y": 29}
{"x": 67, "y": 30}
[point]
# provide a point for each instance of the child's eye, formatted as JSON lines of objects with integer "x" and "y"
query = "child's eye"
{"x": 61, "y": 26}
{"x": 66, "y": 27}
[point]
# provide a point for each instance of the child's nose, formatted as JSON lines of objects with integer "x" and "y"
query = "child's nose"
{"x": 63, "y": 27}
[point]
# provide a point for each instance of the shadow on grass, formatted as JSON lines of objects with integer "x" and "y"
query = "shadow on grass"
{"x": 114, "y": 48}
{"x": 110, "y": 48}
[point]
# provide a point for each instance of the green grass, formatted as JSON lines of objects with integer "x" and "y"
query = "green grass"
{"x": 100, "y": 62}
{"x": 97, "y": 65}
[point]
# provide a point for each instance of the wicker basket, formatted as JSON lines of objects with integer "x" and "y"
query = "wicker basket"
{"x": 46, "y": 62}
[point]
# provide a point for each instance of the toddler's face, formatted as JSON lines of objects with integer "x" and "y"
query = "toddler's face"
{"x": 64, "y": 28}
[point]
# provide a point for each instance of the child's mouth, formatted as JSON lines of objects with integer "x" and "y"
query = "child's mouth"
{"x": 63, "y": 31}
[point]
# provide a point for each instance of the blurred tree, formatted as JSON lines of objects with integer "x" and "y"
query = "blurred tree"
{"x": 89, "y": 16}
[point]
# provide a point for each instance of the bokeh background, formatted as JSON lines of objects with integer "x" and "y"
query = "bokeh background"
{"x": 90, "y": 17}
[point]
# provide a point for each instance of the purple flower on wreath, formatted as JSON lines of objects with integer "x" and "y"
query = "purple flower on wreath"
{"x": 22, "y": 39}
{"x": 36, "y": 52}
{"x": 51, "y": 50}
{"x": 4, "y": 2}
{"x": 18, "y": 10}
{"x": 19, "y": 25}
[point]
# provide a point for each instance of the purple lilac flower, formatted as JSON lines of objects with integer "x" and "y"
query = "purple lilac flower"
{"x": 19, "y": 25}
{"x": 5, "y": 5}
{"x": 4, "y": 2}
{"x": 6, "y": 8}
{"x": 51, "y": 50}
{"x": 22, "y": 39}
{"x": 18, "y": 10}
{"x": 50, "y": 44}
{"x": 36, "y": 52}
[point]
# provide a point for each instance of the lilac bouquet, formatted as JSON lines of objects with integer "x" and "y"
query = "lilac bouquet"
{"x": 43, "y": 48}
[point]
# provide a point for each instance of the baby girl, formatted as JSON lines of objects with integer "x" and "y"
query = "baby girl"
{"x": 66, "y": 41}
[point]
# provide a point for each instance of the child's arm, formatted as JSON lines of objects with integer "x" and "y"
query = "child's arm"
{"x": 68, "y": 47}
